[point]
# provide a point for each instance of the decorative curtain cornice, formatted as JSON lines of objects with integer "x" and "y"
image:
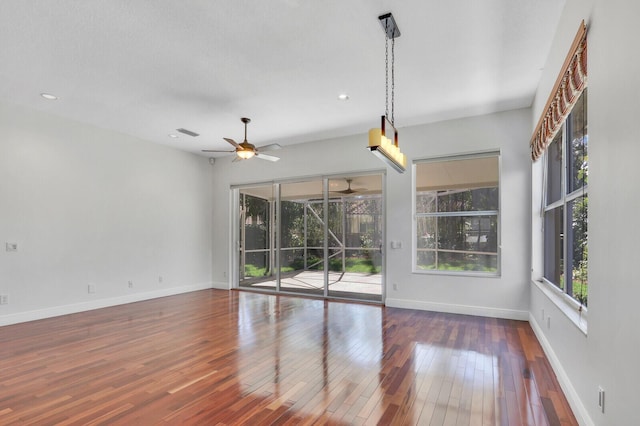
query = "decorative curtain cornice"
{"x": 569, "y": 85}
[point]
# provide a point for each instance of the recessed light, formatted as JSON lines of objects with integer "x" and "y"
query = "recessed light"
{"x": 49, "y": 96}
{"x": 173, "y": 136}
{"x": 343, "y": 97}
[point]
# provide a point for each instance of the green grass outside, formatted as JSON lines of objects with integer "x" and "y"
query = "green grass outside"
{"x": 250, "y": 271}
{"x": 580, "y": 287}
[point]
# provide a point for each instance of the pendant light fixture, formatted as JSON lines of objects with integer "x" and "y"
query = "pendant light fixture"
{"x": 379, "y": 144}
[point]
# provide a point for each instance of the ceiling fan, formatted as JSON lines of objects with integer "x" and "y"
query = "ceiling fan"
{"x": 349, "y": 191}
{"x": 246, "y": 150}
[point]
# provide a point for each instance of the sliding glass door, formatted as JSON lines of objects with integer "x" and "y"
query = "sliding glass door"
{"x": 356, "y": 237}
{"x": 320, "y": 237}
{"x": 302, "y": 237}
{"x": 256, "y": 237}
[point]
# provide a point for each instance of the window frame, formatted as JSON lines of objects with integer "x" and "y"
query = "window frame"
{"x": 479, "y": 214}
{"x": 564, "y": 202}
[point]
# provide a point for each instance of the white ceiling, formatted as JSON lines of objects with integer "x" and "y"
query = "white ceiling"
{"x": 148, "y": 67}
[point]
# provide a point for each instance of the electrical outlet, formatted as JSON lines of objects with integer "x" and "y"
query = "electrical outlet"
{"x": 91, "y": 288}
{"x": 601, "y": 398}
{"x": 160, "y": 279}
{"x": 130, "y": 284}
{"x": 4, "y": 299}
{"x": 395, "y": 286}
{"x": 11, "y": 246}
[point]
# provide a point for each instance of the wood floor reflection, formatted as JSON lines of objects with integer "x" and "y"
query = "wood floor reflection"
{"x": 217, "y": 357}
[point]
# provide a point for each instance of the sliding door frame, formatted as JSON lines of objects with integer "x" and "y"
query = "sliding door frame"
{"x": 275, "y": 231}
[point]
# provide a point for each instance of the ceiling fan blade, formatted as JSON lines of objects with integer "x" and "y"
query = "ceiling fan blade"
{"x": 266, "y": 157}
{"x": 232, "y": 142}
{"x": 215, "y": 150}
{"x": 270, "y": 147}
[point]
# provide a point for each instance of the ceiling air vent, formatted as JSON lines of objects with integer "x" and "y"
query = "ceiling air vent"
{"x": 188, "y": 132}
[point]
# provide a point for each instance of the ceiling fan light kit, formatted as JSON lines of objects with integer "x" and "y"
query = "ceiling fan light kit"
{"x": 246, "y": 150}
{"x": 245, "y": 154}
{"x": 381, "y": 146}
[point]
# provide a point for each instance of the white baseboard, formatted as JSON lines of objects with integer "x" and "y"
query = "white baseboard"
{"x": 582, "y": 416}
{"x": 480, "y": 311}
{"x": 220, "y": 285}
{"x": 55, "y": 311}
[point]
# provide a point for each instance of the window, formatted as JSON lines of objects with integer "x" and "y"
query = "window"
{"x": 456, "y": 226}
{"x": 566, "y": 205}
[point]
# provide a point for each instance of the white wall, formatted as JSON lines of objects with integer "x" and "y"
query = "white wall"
{"x": 607, "y": 355}
{"x": 89, "y": 206}
{"x": 505, "y": 296}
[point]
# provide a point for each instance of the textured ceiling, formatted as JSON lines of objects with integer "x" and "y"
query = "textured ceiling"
{"x": 146, "y": 68}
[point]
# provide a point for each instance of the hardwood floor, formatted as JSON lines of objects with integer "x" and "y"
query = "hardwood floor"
{"x": 219, "y": 358}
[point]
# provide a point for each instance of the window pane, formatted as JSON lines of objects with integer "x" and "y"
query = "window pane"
{"x": 553, "y": 244}
{"x": 292, "y": 224}
{"x": 457, "y": 173}
{"x": 468, "y": 233}
{"x": 577, "y": 145}
{"x": 364, "y": 223}
{"x": 468, "y": 200}
{"x": 335, "y": 224}
{"x": 426, "y": 260}
{"x": 315, "y": 228}
{"x": 257, "y": 264}
{"x": 426, "y": 202}
{"x": 291, "y": 260}
{"x": 426, "y": 232}
{"x": 255, "y": 241}
{"x": 577, "y": 242}
{"x": 554, "y": 169}
{"x": 460, "y": 262}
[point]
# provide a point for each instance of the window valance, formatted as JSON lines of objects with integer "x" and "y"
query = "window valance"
{"x": 566, "y": 91}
